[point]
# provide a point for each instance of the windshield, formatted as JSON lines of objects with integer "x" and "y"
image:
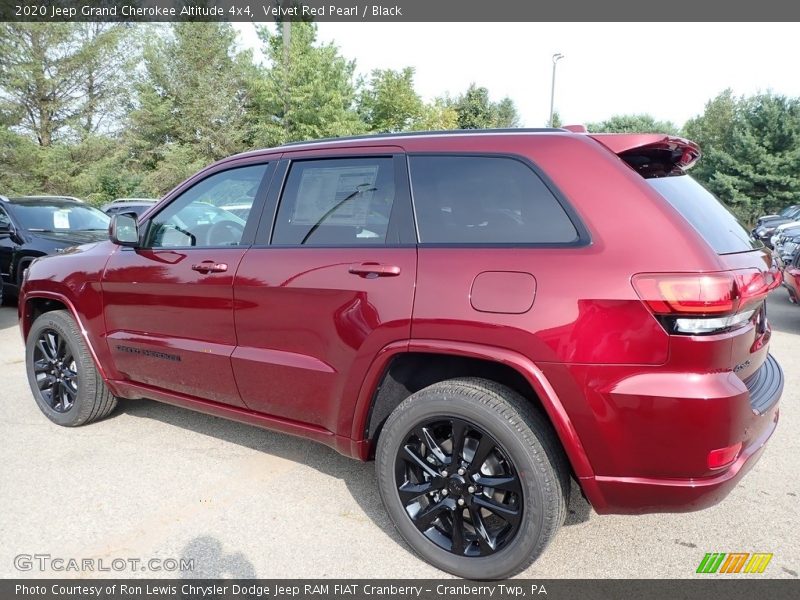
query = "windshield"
{"x": 44, "y": 216}
{"x": 707, "y": 215}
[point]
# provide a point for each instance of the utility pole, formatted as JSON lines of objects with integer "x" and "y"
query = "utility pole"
{"x": 287, "y": 46}
{"x": 556, "y": 57}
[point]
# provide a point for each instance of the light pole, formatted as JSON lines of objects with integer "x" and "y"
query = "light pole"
{"x": 556, "y": 57}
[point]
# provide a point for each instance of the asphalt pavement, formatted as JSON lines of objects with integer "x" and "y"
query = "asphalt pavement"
{"x": 158, "y": 482}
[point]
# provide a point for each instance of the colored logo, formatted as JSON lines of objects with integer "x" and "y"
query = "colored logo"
{"x": 734, "y": 562}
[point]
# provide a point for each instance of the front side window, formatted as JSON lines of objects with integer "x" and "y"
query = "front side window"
{"x": 199, "y": 217}
{"x": 488, "y": 200}
{"x": 339, "y": 202}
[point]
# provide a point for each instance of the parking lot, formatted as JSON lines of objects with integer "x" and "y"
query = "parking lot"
{"x": 155, "y": 481}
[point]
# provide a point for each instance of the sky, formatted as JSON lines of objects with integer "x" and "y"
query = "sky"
{"x": 669, "y": 70}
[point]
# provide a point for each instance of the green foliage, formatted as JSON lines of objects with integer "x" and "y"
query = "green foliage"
{"x": 476, "y": 111}
{"x": 390, "y": 103}
{"x": 642, "y": 123}
{"x": 103, "y": 110}
{"x": 307, "y": 92}
{"x": 751, "y": 152}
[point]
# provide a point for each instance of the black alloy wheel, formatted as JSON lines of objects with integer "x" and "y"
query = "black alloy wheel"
{"x": 459, "y": 487}
{"x": 55, "y": 370}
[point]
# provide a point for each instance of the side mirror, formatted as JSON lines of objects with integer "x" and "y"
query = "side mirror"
{"x": 124, "y": 231}
{"x": 6, "y": 230}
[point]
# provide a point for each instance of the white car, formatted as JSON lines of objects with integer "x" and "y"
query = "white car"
{"x": 780, "y": 229}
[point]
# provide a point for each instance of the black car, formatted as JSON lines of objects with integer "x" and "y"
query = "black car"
{"x": 38, "y": 225}
{"x": 766, "y": 225}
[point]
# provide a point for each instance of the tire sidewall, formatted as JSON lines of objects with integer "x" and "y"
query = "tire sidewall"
{"x": 63, "y": 325}
{"x": 527, "y": 539}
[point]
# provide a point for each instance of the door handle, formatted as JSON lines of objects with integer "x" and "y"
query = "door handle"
{"x": 209, "y": 266}
{"x": 373, "y": 270}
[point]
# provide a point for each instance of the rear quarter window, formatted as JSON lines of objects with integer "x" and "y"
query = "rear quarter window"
{"x": 485, "y": 200}
{"x": 718, "y": 226}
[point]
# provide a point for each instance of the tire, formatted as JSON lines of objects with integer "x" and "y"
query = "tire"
{"x": 2, "y": 295}
{"x": 525, "y": 445}
{"x": 83, "y": 396}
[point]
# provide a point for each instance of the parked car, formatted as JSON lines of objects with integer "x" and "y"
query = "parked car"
{"x": 458, "y": 306}
{"x": 786, "y": 243}
{"x": 786, "y": 211}
{"x": 135, "y": 206}
{"x": 791, "y": 275}
{"x": 35, "y": 226}
{"x": 766, "y": 229}
{"x": 781, "y": 231}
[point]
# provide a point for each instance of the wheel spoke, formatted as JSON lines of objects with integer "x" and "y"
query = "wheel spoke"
{"x": 431, "y": 444}
{"x": 510, "y": 514}
{"x": 69, "y": 390}
{"x": 52, "y": 344}
{"x": 61, "y": 347}
{"x": 429, "y": 514}
{"x": 485, "y": 446}
{"x": 46, "y": 382}
{"x": 485, "y": 540}
{"x": 411, "y": 491}
{"x": 41, "y": 343}
{"x": 457, "y": 537}
{"x": 409, "y": 455}
{"x": 41, "y": 365}
{"x": 507, "y": 483}
{"x": 459, "y": 435}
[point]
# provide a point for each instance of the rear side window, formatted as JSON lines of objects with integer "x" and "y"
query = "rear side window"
{"x": 724, "y": 233}
{"x": 490, "y": 200}
{"x": 336, "y": 202}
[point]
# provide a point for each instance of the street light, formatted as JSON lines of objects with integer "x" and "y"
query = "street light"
{"x": 556, "y": 57}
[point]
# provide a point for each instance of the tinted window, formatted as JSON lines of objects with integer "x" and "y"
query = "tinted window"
{"x": 44, "y": 215}
{"x": 707, "y": 215}
{"x": 485, "y": 200}
{"x": 336, "y": 202}
{"x": 5, "y": 222}
{"x": 198, "y": 217}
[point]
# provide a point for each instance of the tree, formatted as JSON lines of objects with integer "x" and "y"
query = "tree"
{"x": 438, "y": 115}
{"x": 59, "y": 78}
{"x": 390, "y": 102}
{"x": 751, "y": 150}
{"x": 641, "y": 123}
{"x": 476, "y": 111}
{"x": 191, "y": 102}
{"x": 505, "y": 113}
{"x": 307, "y": 91}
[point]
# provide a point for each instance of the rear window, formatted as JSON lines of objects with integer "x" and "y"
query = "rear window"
{"x": 486, "y": 200}
{"x": 723, "y": 231}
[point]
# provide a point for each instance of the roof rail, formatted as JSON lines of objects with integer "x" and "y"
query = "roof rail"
{"x": 373, "y": 136}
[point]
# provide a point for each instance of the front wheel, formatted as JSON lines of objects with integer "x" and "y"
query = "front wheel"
{"x": 473, "y": 477}
{"x": 64, "y": 380}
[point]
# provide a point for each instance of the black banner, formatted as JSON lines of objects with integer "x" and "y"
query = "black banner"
{"x": 713, "y": 588}
{"x": 398, "y": 10}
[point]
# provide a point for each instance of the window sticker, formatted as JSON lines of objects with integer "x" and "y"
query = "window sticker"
{"x": 343, "y": 194}
{"x": 61, "y": 219}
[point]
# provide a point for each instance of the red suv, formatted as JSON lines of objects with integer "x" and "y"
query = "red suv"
{"x": 487, "y": 314}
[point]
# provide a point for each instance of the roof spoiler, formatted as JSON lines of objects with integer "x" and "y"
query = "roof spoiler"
{"x": 642, "y": 150}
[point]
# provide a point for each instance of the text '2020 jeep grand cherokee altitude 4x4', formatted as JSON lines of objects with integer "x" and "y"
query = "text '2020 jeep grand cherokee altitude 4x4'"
{"x": 467, "y": 307}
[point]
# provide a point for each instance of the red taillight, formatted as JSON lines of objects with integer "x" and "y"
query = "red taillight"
{"x": 704, "y": 293}
{"x": 670, "y": 294}
{"x": 722, "y": 457}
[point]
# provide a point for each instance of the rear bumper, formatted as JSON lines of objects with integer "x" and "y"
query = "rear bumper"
{"x": 638, "y": 495}
{"x": 657, "y": 459}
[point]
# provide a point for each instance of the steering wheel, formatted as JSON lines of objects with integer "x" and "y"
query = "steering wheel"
{"x": 224, "y": 233}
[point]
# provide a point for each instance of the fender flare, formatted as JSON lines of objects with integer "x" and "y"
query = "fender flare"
{"x": 26, "y": 320}
{"x": 533, "y": 375}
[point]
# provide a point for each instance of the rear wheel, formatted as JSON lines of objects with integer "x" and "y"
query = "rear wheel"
{"x": 64, "y": 380}
{"x": 473, "y": 478}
